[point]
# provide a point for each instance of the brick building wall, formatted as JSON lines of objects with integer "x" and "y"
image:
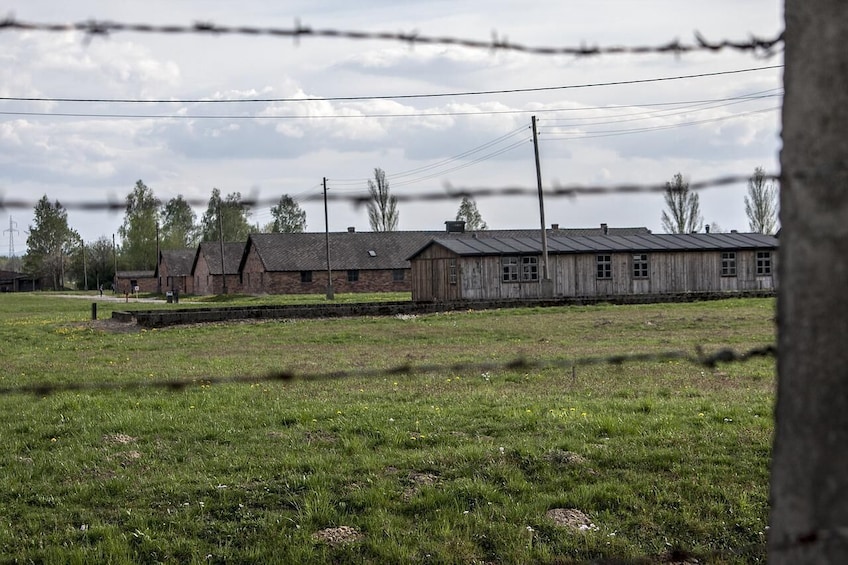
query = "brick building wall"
{"x": 372, "y": 280}
{"x": 146, "y": 284}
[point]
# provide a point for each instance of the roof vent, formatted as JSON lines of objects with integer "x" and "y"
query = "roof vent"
{"x": 707, "y": 228}
{"x": 554, "y": 226}
{"x": 455, "y": 226}
{"x": 351, "y": 229}
{"x": 605, "y": 229}
{"x": 372, "y": 253}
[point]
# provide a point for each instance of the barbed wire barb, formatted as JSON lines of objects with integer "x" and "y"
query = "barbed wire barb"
{"x": 522, "y": 364}
{"x": 104, "y": 28}
{"x": 449, "y": 192}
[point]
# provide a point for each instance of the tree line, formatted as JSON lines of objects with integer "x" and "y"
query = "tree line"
{"x": 57, "y": 254}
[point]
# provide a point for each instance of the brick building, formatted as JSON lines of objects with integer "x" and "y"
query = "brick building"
{"x": 210, "y": 274}
{"x": 173, "y": 271}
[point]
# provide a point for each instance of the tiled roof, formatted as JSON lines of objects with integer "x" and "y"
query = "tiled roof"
{"x": 607, "y": 243}
{"x": 211, "y": 251}
{"x": 362, "y": 250}
{"x": 136, "y": 274}
{"x": 12, "y": 275}
{"x": 178, "y": 261}
{"x": 375, "y": 250}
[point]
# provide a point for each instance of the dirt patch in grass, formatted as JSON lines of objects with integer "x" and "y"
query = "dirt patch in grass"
{"x": 111, "y": 326}
{"x": 119, "y": 439}
{"x": 571, "y": 518}
{"x": 564, "y": 458}
{"x": 418, "y": 480}
{"x": 320, "y": 437}
{"x": 337, "y": 535}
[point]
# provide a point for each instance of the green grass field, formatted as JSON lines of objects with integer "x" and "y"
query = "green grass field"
{"x": 665, "y": 460}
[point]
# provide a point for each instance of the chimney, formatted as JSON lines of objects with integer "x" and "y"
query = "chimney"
{"x": 707, "y": 228}
{"x": 554, "y": 226}
{"x": 351, "y": 229}
{"x": 605, "y": 229}
{"x": 455, "y": 226}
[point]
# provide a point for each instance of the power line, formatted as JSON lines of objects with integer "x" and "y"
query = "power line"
{"x": 431, "y": 166}
{"x": 350, "y": 116}
{"x": 678, "y": 109}
{"x": 384, "y": 97}
{"x": 473, "y": 162}
{"x": 614, "y": 133}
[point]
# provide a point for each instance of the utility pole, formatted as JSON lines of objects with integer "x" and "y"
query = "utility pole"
{"x": 84, "y": 266}
{"x": 158, "y": 278}
{"x": 115, "y": 259}
{"x": 547, "y": 284}
{"x": 11, "y": 231}
{"x": 330, "y": 295}
{"x": 221, "y": 237}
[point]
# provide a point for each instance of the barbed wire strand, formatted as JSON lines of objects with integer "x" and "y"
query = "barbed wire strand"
{"x": 450, "y": 192}
{"x": 698, "y": 358}
{"x": 102, "y": 28}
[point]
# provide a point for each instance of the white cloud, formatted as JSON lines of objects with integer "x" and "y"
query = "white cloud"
{"x": 288, "y": 148}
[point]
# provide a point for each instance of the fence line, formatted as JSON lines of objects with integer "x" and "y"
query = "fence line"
{"x": 450, "y": 192}
{"x": 100, "y": 28}
{"x": 697, "y": 358}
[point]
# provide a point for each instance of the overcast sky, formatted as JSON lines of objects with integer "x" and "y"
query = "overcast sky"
{"x": 643, "y": 132}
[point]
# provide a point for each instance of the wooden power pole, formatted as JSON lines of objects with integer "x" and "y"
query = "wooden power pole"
{"x": 330, "y": 294}
{"x": 547, "y": 284}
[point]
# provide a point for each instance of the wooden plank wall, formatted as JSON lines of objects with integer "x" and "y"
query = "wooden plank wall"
{"x": 479, "y": 278}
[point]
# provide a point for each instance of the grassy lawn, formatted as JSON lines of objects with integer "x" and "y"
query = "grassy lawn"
{"x": 665, "y": 460}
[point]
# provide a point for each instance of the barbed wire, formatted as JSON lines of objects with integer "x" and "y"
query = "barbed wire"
{"x": 450, "y": 192}
{"x": 102, "y": 28}
{"x": 697, "y": 358}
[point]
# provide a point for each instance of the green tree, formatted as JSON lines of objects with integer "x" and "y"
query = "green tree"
{"x": 92, "y": 264}
{"x": 684, "y": 208}
{"x": 138, "y": 232}
{"x": 233, "y": 218}
{"x": 288, "y": 216}
{"x": 470, "y": 215}
{"x": 382, "y": 209}
{"x": 179, "y": 225}
{"x": 761, "y": 203}
{"x": 49, "y": 243}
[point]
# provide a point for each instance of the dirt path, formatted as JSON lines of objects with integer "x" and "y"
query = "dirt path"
{"x": 108, "y": 297}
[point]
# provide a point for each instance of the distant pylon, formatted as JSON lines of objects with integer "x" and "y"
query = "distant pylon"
{"x": 12, "y": 231}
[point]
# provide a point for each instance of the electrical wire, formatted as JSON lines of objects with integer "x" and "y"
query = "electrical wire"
{"x": 383, "y": 96}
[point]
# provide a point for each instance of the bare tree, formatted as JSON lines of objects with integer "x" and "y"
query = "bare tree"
{"x": 684, "y": 208}
{"x": 761, "y": 203}
{"x": 382, "y": 210}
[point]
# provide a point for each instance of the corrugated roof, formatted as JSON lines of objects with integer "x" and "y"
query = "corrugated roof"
{"x": 606, "y": 243}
